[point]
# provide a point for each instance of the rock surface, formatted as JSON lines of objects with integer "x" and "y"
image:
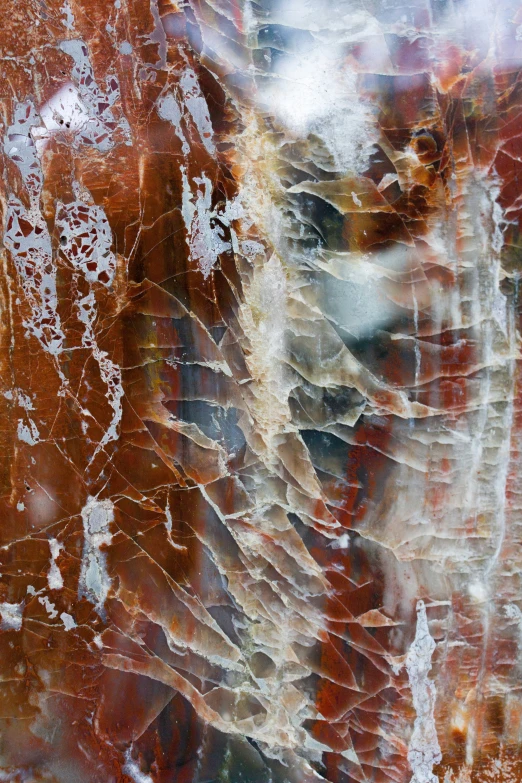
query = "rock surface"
{"x": 260, "y": 391}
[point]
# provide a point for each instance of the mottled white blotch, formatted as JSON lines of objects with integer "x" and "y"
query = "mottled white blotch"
{"x": 132, "y": 769}
{"x": 205, "y": 234}
{"x": 31, "y": 250}
{"x": 11, "y": 615}
{"x": 109, "y": 371}
{"x": 54, "y": 577}
{"x": 86, "y": 239}
{"x": 96, "y": 103}
{"x": 50, "y": 608}
{"x": 28, "y": 433}
{"x": 169, "y": 109}
{"x": 67, "y": 16}
{"x": 94, "y": 585}
{"x": 424, "y": 749}
{"x": 326, "y": 103}
{"x": 168, "y": 515}
{"x": 198, "y": 109}
{"x": 68, "y": 621}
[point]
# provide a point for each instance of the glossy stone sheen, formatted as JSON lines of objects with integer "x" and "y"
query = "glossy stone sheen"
{"x": 260, "y": 444}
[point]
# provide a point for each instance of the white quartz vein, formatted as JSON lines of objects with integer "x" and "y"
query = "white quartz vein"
{"x": 424, "y": 749}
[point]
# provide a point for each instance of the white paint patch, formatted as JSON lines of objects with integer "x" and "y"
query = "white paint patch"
{"x": 54, "y": 577}
{"x": 11, "y": 615}
{"x": 95, "y": 582}
{"x": 424, "y": 749}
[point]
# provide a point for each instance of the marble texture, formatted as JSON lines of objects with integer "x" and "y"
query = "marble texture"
{"x": 261, "y": 431}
